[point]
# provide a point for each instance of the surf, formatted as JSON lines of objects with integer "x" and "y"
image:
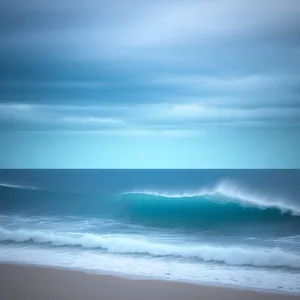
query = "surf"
{"x": 258, "y": 257}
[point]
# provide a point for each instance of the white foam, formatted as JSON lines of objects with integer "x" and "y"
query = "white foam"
{"x": 274, "y": 257}
{"x": 157, "y": 268}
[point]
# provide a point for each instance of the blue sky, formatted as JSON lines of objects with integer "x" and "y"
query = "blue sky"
{"x": 150, "y": 84}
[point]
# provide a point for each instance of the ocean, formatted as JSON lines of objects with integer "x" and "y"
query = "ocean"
{"x": 226, "y": 227}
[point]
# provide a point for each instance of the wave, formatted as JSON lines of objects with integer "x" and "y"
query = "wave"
{"x": 17, "y": 186}
{"x": 258, "y": 257}
{"x": 227, "y": 191}
{"x": 205, "y": 208}
{"x": 224, "y": 191}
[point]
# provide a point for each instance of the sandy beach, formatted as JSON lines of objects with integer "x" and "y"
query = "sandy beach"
{"x": 30, "y": 282}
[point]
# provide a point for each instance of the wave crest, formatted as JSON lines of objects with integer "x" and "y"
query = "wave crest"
{"x": 230, "y": 192}
{"x": 260, "y": 257}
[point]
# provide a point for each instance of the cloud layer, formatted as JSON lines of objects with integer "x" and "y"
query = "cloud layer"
{"x": 189, "y": 117}
{"x": 142, "y": 66}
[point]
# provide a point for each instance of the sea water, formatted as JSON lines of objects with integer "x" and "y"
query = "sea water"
{"x": 233, "y": 227}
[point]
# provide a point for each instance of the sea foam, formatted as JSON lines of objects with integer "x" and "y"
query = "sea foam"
{"x": 255, "y": 256}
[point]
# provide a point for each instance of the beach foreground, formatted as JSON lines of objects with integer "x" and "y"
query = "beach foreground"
{"x": 30, "y": 282}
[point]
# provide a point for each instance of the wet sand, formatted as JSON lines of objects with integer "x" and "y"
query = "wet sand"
{"x": 40, "y": 283}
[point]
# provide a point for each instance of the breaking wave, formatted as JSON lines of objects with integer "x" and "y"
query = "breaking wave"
{"x": 225, "y": 202}
{"x": 258, "y": 257}
{"x": 227, "y": 191}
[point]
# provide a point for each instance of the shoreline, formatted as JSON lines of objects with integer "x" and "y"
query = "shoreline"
{"x": 25, "y": 281}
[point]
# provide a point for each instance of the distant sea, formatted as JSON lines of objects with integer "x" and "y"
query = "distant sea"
{"x": 232, "y": 227}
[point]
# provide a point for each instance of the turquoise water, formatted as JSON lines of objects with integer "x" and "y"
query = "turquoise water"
{"x": 226, "y": 227}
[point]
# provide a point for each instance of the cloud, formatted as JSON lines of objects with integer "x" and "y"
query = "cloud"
{"x": 157, "y": 117}
{"x": 228, "y": 83}
{"x": 41, "y": 117}
{"x": 100, "y": 29}
{"x": 191, "y": 22}
{"x": 91, "y": 120}
{"x": 148, "y": 66}
{"x": 250, "y": 90}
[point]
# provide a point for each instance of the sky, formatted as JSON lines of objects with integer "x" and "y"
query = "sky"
{"x": 150, "y": 84}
